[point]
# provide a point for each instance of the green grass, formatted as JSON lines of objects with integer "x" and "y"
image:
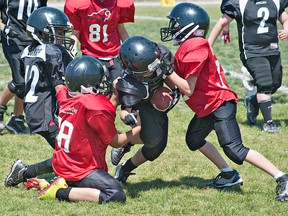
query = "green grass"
{"x": 175, "y": 183}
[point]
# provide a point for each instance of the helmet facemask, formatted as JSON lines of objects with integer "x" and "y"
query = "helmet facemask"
{"x": 177, "y": 33}
{"x": 149, "y": 75}
{"x": 53, "y": 34}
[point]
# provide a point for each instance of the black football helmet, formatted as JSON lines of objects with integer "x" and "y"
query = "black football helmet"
{"x": 140, "y": 58}
{"x": 185, "y": 19}
{"x": 87, "y": 72}
{"x": 44, "y": 23}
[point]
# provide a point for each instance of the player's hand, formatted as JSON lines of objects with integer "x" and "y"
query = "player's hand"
{"x": 8, "y": 31}
{"x": 225, "y": 36}
{"x": 175, "y": 93}
{"x": 167, "y": 60}
{"x": 283, "y": 35}
{"x": 131, "y": 119}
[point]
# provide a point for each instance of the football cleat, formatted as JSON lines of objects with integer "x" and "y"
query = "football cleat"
{"x": 121, "y": 175}
{"x": 16, "y": 174}
{"x": 35, "y": 183}
{"x": 16, "y": 125}
{"x": 50, "y": 191}
{"x": 226, "y": 179}
{"x": 118, "y": 153}
{"x": 282, "y": 188}
{"x": 270, "y": 127}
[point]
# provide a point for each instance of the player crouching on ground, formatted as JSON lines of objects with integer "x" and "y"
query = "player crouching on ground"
{"x": 86, "y": 128}
{"x": 202, "y": 83}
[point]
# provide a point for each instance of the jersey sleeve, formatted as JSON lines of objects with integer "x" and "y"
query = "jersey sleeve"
{"x": 102, "y": 122}
{"x": 127, "y": 11}
{"x": 71, "y": 12}
{"x": 193, "y": 61}
{"x": 229, "y": 7}
{"x": 56, "y": 66}
{"x": 283, "y": 5}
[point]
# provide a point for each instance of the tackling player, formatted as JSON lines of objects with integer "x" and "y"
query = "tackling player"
{"x": 259, "y": 49}
{"x": 199, "y": 75}
{"x": 14, "y": 15}
{"x": 86, "y": 129}
{"x": 146, "y": 65}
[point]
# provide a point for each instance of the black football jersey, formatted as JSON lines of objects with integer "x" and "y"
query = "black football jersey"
{"x": 129, "y": 99}
{"x": 15, "y": 13}
{"x": 257, "y": 25}
{"x": 44, "y": 69}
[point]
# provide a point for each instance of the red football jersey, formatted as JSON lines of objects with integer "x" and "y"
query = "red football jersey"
{"x": 97, "y": 22}
{"x": 196, "y": 57}
{"x": 86, "y": 127}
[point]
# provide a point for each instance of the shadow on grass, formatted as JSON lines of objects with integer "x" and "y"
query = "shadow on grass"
{"x": 133, "y": 189}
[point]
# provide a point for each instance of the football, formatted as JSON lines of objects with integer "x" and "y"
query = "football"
{"x": 161, "y": 99}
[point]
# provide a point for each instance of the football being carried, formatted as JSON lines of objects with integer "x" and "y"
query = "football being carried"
{"x": 161, "y": 99}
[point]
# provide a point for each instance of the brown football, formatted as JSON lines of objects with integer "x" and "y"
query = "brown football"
{"x": 161, "y": 99}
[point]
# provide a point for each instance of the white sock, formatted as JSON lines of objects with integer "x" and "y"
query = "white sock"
{"x": 227, "y": 169}
{"x": 279, "y": 175}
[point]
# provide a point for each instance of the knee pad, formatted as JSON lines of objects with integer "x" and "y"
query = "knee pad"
{"x": 153, "y": 153}
{"x": 193, "y": 142}
{"x": 17, "y": 88}
{"x": 229, "y": 137}
{"x": 113, "y": 195}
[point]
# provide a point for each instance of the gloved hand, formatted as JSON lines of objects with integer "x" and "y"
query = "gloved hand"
{"x": 167, "y": 60}
{"x": 175, "y": 93}
{"x": 225, "y": 36}
{"x": 130, "y": 119}
{"x": 8, "y": 31}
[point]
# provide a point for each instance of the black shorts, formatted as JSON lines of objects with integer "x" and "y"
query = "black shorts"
{"x": 103, "y": 181}
{"x": 13, "y": 55}
{"x": 223, "y": 121}
{"x": 266, "y": 72}
{"x": 154, "y": 126}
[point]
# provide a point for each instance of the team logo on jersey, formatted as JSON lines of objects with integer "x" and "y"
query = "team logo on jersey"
{"x": 104, "y": 14}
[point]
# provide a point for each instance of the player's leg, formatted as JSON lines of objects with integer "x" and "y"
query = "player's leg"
{"x": 154, "y": 134}
{"x": 260, "y": 69}
{"x": 197, "y": 131}
{"x": 257, "y": 159}
{"x": 98, "y": 187}
{"x": 16, "y": 87}
{"x": 250, "y": 100}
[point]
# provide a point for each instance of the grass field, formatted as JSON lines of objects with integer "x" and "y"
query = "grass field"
{"x": 175, "y": 183}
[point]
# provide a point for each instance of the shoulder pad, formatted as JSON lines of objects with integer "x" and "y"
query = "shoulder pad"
{"x": 131, "y": 86}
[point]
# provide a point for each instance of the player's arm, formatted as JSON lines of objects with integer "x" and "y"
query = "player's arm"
{"x": 283, "y": 33}
{"x": 121, "y": 139}
{"x": 222, "y": 22}
{"x": 186, "y": 86}
{"x": 123, "y": 34}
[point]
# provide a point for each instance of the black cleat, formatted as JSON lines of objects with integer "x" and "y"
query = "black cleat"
{"x": 118, "y": 153}
{"x": 16, "y": 125}
{"x": 282, "y": 188}
{"x": 121, "y": 175}
{"x": 226, "y": 179}
{"x": 16, "y": 174}
{"x": 270, "y": 127}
